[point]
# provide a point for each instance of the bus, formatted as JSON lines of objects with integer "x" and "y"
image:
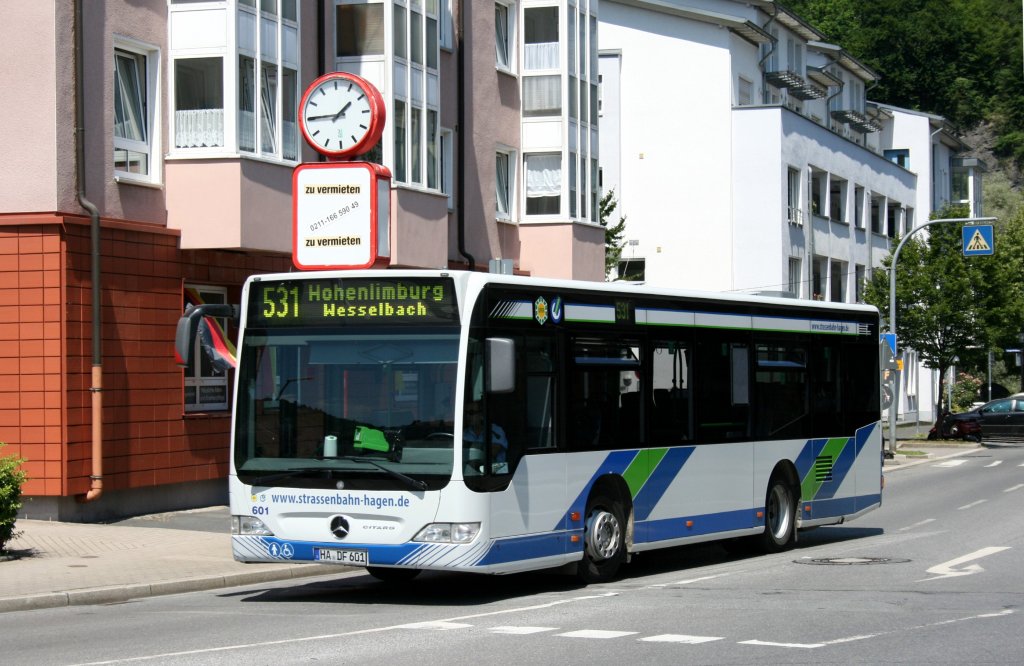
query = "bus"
{"x": 410, "y": 420}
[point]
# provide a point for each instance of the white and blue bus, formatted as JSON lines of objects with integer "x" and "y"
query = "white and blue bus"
{"x": 439, "y": 420}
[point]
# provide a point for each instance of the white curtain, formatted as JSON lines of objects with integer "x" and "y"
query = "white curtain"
{"x": 542, "y": 94}
{"x": 198, "y": 128}
{"x": 543, "y": 175}
{"x": 541, "y": 56}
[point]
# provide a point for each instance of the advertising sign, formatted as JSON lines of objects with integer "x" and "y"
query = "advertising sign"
{"x": 340, "y": 214}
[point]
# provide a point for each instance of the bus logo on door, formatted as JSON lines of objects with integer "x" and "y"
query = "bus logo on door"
{"x": 540, "y": 310}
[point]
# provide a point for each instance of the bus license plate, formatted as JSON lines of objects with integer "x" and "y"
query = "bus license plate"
{"x": 356, "y": 558}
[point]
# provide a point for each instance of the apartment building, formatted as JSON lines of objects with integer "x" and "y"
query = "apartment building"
{"x": 154, "y": 170}
{"x": 746, "y": 156}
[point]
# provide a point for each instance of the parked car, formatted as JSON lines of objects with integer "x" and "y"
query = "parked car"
{"x": 996, "y": 419}
{"x": 966, "y": 425}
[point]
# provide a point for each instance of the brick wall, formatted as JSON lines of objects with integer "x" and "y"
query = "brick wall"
{"x": 46, "y": 355}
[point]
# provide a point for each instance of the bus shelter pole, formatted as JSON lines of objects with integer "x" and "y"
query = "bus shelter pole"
{"x": 894, "y": 406}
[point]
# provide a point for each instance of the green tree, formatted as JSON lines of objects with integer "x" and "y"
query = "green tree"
{"x": 613, "y": 234}
{"x": 11, "y": 479}
{"x": 947, "y": 307}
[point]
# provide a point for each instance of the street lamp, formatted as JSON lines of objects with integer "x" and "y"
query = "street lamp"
{"x": 894, "y": 406}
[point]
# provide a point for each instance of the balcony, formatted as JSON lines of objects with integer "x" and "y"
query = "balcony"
{"x": 856, "y": 120}
{"x": 797, "y": 86}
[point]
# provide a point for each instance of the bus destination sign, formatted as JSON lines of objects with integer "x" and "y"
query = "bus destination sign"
{"x": 351, "y": 301}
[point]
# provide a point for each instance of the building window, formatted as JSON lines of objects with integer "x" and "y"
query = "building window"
{"x": 268, "y": 81}
{"x": 793, "y": 211}
{"x": 632, "y": 269}
{"x": 504, "y": 183}
{"x": 858, "y": 207}
{"x": 900, "y": 156}
{"x": 894, "y": 218}
{"x": 744, "y": 92}
{"x": 543, "y": 184}
{"x": 360, "y": 29}
{"x": 416, "y": 86}
{"x": 135, "y": 105}
{"x": 198, "y": 102}
{"x": 858, "y": 287}
{"x": 837, "y": 200}
{"x": 837, "y": 282}
{"x": 876, "y": 215}
{"x": 206, "y": 385}
{"x": 795, "y": 276}
{"x": 447, "y": 153}
{"x": 445, "y": 23}
{"x": 542, "y": 94}
{"x": 504, "y": 34}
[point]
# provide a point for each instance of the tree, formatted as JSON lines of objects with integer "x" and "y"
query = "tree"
{"x": 613, "y": 241}
{"x": 948, "y": 308}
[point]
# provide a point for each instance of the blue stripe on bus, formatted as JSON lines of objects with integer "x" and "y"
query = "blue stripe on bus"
{"x": 675, "y": 528}
{"x": 614, "y": 463}
{"x": 522, "y": 548}
{"x": 659, "y": 481}
{"x": 843, "y": 506}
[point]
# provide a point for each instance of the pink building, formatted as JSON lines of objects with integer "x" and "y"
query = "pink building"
{"x": 148, "y": 148}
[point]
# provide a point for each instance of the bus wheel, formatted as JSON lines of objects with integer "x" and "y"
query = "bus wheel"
{"x": 389, "y": 575}
{"x": 779, "y": 517}
{"x": 604, "y": 540}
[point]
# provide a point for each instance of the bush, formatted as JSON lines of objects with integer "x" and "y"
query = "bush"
{"x": 965, "y": 392}
{"x": 11, "y": 479}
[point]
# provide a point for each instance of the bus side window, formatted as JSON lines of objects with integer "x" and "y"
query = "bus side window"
{"x": 670, "y": 417}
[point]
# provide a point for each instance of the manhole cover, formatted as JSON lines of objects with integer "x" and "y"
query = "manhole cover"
{"x": 850, "y": 561}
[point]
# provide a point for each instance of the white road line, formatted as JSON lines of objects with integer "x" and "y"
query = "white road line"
{"x": 917, "y": 524}
{"x": 521, "y": 631}
{"x": 784, "y": 645}
{"x": 949, "y": 570}
{"x": 1012, "y": 488}
{"x": 436, "y": 626}
{"x": 680, "y": 638}
{"x": 995, "y": 463}
{"x": 597, "y": 633}
{"x": 951, "y": 463}
{"x": 359, "y": 632}
{"x": 690, "y": 580}
{"x": 972, "y": 504}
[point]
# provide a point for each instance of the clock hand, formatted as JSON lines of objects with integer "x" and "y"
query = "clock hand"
{"x": 341, "y": 111}
{"x": 326, "y": 115}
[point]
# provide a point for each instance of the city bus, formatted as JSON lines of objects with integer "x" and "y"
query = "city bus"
{"x": 410, "y": 420}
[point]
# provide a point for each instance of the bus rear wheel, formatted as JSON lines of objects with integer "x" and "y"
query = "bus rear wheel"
{"x": 779, "y": 517}
{"x": 604, "y": 539}
{"x": 389, "y": 575}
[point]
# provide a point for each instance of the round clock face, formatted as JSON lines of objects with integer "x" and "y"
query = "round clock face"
{"x": 342, "y": 115}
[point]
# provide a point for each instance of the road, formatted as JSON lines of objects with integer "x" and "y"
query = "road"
{"x": 935, "y": 576}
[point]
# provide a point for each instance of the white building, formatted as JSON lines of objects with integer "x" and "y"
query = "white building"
{"x": 746, "y": 157}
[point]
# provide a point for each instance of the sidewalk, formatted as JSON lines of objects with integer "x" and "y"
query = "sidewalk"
{"x": 72, "y": 564}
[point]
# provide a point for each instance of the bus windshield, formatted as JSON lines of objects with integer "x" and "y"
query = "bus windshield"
{"x": 350, "y": 408}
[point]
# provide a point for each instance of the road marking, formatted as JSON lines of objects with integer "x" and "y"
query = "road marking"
{"x": 690, "y": 580}
{"x": 597, "y": 633}
{"x": 994, "y": 464}
{"x": 681, "y": 638}
{"x": 436, "y": 626}
{"x": 784, "y": 645}
{"x": 917, "y": 524}
{"x": 949, "y": 570}
{"x": 344, "y": 634}
{"x": 1012, "y": 488}
{"x": 951, "y": 463}
{"x": 972, "y": 504}
{"x": 521, "y": 631}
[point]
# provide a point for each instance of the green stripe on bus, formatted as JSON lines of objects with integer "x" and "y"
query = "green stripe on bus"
{"x": 811, "y": 483}
{"x": 640, "y": 469}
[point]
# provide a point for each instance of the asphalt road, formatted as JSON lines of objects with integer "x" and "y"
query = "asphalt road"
{"x": 935, "y": 576}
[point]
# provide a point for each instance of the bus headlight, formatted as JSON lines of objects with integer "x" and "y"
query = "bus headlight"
{"x": 448, "y": 533}
{"x": 250, "y": 525}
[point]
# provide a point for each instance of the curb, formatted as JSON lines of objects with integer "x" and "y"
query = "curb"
{"x": 122, "y": 593}
{"x": 912, "y": 462}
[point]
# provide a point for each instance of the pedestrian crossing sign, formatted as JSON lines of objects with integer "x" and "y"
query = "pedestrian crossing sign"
{"x": 978, "y": 240}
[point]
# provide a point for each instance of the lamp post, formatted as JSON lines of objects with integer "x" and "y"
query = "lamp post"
{"x": 894, "y": 406}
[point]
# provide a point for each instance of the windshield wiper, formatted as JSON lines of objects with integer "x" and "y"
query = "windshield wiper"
{"x": 415, "y": 484}
{"x": 265, "y": 479}
{"x": 330, "y": 472}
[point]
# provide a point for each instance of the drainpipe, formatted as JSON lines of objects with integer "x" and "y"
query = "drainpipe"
{"x": 96, "y": 390}
{"x": 760, "y": 63}
{"x": 460, "y": 179}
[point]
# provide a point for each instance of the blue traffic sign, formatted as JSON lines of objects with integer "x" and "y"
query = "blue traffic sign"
{"x": 978, "y": 240}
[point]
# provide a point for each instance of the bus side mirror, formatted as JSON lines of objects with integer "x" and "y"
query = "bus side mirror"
{"x": 188, "y": 325}
{"x": 501, "y": 365}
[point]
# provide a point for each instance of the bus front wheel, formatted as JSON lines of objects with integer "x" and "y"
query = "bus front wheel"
{"x": 604, "y": 539}
{"x": 779, "y": 517}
